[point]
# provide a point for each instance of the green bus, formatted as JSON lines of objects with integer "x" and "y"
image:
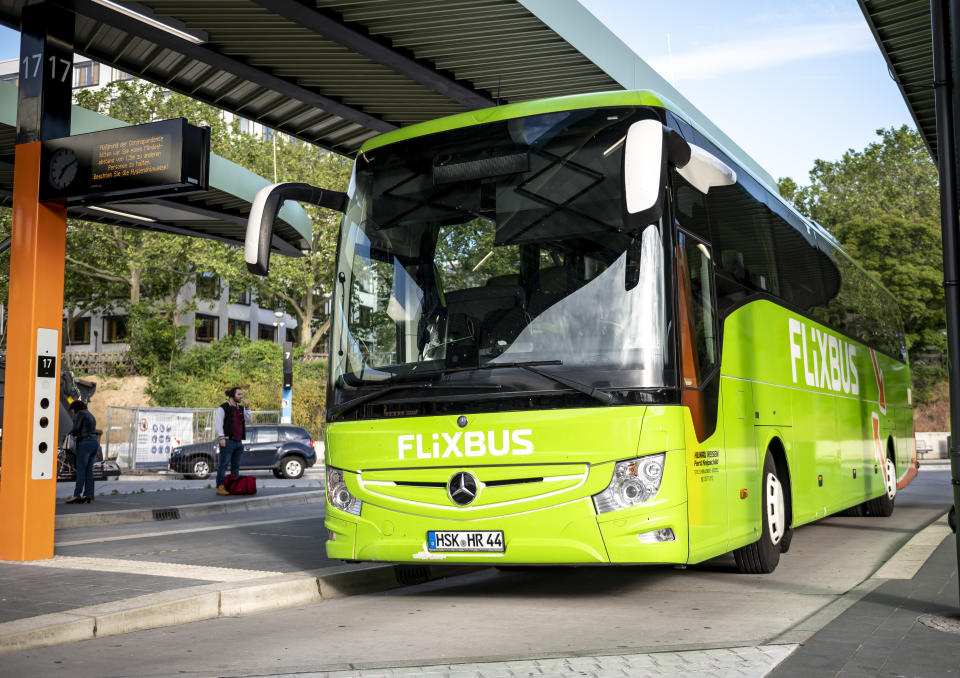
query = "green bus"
{"x": 576, "y": 331}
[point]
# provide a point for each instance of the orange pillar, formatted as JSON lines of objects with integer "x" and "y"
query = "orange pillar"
{"x": 36, "y": 301}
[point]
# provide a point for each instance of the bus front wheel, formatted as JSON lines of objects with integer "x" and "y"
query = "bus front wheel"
{"x": 763, "y": 555}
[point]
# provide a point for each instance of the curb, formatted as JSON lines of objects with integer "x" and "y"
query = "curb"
{"x": 209, "y": 601}
{"x": 77, "y": 520}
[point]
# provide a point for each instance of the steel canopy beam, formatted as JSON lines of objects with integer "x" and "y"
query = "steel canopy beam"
{"x": 228, "y": 64}
{"x": 329, "y": 26}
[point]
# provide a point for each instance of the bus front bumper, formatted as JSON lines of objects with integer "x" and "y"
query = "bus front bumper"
{"x": 577, "y": 535}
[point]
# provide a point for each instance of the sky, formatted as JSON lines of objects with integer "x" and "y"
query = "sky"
{"x": 789, "y": 81}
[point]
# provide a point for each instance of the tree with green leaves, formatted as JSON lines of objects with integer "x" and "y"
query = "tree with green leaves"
{"x": 298, "y": 285}
{"x": 893, "y": 176}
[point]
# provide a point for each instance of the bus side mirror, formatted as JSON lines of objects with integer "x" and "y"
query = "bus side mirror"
{"x": 263, "y": 213}
{"x": 649, "y": 147}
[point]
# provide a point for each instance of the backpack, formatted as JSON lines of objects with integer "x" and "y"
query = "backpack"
{"x": 240, "y": 484}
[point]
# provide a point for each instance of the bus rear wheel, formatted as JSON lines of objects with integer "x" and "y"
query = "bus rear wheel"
{"x": 882, "y": 506}
{"x": 763, "y": 555}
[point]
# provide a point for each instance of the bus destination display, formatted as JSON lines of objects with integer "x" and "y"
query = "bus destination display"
{"x": 157, "y": 158}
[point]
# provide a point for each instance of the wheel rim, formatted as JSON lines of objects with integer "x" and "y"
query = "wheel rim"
{"x": 891, "y": 479}
{"x": 776, "y": 513}
{"x": 292, "y": 468}
{"x": 201, "y": 468}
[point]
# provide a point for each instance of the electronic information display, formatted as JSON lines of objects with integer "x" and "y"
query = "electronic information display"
{"x": 156, "y": 158}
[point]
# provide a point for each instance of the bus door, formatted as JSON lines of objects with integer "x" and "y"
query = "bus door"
{"x": 700, "y": 375}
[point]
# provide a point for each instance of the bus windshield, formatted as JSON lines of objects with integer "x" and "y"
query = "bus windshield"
{"x": 502, "y": 243}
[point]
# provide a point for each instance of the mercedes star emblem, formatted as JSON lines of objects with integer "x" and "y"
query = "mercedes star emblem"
{"x": 463, "y": 488}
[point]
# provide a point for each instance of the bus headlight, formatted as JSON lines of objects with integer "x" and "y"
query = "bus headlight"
{"x": 338, "y": 495}
{"x": 634, "y": 482}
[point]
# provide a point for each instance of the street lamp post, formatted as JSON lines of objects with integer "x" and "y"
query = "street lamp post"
{"x": 286, "y": 395}
{"x": 279, "y": 325}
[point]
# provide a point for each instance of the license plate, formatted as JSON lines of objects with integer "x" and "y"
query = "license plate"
{"x": 465, "y": 540}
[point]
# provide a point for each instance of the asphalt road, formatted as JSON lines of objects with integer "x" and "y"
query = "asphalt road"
{"x": 283, "y": 539}
{"x": 493, "y": 615}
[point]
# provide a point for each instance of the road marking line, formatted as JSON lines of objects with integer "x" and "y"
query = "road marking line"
{"x": 146, "y": 567}
{"x": 280, "y": 534}
{"x": 906, "y": 562}
{"x": 163, "y": 533}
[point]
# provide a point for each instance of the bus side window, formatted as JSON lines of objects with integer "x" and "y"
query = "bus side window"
{"x": 711, "y": 218}
{"x": 742, "y": 231}
{"x": 697, "y": 321}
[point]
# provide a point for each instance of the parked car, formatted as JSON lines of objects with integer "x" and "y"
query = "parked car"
{"x": 285, "y": 449}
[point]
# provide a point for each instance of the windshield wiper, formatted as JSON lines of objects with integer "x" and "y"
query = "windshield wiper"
{"x": 367, "y": 397}
{"x": 415, "y": 374}
{"x": 532, "y": 366}
{"x": 602, "y": 396}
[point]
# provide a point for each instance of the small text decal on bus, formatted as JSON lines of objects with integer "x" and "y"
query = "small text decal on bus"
{"x": 828, "y": 362}
{"x": 466, "y": 444}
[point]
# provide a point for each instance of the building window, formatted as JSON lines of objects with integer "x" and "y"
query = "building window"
{"x": 208, "y": 286}
{"x": 268, "y": 332}
{"x": 208, "y": 328}
{"x": 123, "y": 75}
{"x": 239, "y": 296}
{"x": 238, "y": 327}
{"x": 246, "y": 126}
{"x": 11, "y": 77}
{"x": 86, "y": 74}
{"x": 77, "y": 332}
{"x": 293, "y": 337}
{"x": 115, "y": 329}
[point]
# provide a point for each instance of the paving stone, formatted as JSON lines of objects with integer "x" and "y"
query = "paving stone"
{"x": 668, "y": 659}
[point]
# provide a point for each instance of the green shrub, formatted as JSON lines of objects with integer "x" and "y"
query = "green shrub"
{"x": 199, "y": 377}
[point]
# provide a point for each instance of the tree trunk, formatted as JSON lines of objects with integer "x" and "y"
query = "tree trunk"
{"x": 306, "y": 320}
{"x": 135, "y": 272}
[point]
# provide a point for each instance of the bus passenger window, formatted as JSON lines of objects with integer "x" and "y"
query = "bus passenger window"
{"x": 691, "y": 211}
{"x": 742, "y": 231}
{"x": 698, "y": 326}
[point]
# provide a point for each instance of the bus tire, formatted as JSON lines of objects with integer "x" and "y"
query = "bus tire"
{"x": 785, "y": 541}
{"x": 763, "y": 555}
{"x": 882, "y": 506}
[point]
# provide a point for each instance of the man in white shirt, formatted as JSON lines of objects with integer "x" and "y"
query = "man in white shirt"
{"x": 230, "y": 426}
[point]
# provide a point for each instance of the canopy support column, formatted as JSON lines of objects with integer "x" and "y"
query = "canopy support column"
{"x": 945, "y": 21}
{"x": 38, "y": 240}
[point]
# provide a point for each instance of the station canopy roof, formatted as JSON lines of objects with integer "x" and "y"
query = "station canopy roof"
{"x": 219, "y": 213}
{"x": 902, "y": 29}
{"x": 336, "y": 73}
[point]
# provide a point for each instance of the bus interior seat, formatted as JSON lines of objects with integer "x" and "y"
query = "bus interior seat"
{"x": 476, "y": 312}
{"x": 553, "y": 288}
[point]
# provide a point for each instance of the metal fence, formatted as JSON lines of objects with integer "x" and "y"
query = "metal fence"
{"x": 141, "y": 438}
{"x": 99, "y": 362}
